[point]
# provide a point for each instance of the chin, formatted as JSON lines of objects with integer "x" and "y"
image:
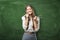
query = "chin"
{"x": 31, "y": 13}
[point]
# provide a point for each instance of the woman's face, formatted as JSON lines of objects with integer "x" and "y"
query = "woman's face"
{"x": 29, "y": 10}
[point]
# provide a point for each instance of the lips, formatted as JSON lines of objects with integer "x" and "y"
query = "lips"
{"x": 29, "y": 12}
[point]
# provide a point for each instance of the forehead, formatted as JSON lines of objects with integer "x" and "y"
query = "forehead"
{"x": 28, "y": 7}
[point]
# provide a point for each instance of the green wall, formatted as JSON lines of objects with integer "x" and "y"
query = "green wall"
{"x": 11, "y": 12}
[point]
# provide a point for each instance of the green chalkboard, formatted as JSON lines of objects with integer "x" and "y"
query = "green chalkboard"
{"x": 11, "y": 12}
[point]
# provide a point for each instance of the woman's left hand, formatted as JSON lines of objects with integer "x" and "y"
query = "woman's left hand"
{"x": 35, "y": 18}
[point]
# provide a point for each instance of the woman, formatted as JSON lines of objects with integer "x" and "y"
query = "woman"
{"x": 30, "y": 24}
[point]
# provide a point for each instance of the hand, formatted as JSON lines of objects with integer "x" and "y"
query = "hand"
{"x": 35, "y": 18}
{"x": 27, "y": 15}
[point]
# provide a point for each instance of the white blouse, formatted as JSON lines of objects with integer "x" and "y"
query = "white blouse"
{"x": 30, "y": 28}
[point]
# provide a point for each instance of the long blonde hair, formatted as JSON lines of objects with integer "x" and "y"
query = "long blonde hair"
{"x": 33, "y": 13}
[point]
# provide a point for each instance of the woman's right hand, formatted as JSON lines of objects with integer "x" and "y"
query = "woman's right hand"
{"x": 27, "y": 15}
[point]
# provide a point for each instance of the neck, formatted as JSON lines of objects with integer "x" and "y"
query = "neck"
{"x": 30, "y": 16}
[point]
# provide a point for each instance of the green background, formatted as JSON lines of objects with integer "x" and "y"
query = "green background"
{"x": 11, "y": 12}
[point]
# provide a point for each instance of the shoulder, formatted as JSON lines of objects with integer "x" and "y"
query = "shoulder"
{"x": 23, "y": 17}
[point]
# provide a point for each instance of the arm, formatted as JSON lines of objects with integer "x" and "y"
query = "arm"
{"x": 24, "y": 23}
{"x": 36, "y": 24}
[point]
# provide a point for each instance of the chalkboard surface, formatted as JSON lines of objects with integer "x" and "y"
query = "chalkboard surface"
{"x": 11, "y": 12}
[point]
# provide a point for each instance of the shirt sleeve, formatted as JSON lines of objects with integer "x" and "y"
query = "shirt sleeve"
{"x": 38, "y": 19}
{"x": 23, "y": 23}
